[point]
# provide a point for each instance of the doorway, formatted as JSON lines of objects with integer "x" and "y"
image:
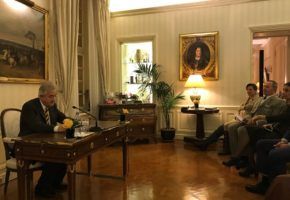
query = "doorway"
{"x": 276, "y": 47}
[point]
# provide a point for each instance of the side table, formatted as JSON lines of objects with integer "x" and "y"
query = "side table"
{"x": 199, "y": 112}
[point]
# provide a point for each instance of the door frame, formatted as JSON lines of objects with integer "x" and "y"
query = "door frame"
{"x": 263, "y": 31}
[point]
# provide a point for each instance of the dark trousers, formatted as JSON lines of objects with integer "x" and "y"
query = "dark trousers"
{"x": 270, "y": 160}
{"x": 52, "y": 175}
{"x": 256, "y": 133}
{"x": 215, "y": 135}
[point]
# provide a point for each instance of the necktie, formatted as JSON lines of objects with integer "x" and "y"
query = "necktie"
{"x": 46, "y": 113}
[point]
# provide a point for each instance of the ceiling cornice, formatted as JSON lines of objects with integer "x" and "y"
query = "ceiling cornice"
{"x": 180, "y": 7}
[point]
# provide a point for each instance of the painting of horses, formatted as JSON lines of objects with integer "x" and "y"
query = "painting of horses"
{"x": 23, "y": 48}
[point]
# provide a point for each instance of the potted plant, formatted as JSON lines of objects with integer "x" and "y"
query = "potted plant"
{"x": 162, "y": 92}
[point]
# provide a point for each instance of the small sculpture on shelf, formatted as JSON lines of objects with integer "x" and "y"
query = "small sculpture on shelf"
{"x": 141, "y": 56}
{"x": 138, "y": 56}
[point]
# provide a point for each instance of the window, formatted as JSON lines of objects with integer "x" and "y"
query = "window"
{"x": 83, "y": 84}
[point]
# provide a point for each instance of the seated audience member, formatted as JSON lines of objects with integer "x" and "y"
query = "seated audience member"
{"x": 244, "y": 111}
{"x": 272, "y": 157}
{"x": 269, "y": 105}
{"x": 277, "y": 125}
{"x": 40, "y": 115}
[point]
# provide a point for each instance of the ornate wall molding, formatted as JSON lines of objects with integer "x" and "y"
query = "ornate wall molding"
{"x": 185, "y": 124}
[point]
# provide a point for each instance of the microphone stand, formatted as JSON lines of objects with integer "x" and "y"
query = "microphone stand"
{"x": 95, "y": 128}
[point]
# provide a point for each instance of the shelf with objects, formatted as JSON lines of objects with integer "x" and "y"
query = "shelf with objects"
{"x": 132, "y": 54}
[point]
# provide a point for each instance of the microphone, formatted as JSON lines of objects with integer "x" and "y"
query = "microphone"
{"x": 95, "y": 128}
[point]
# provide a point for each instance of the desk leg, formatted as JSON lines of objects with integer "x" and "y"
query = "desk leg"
{"x": 29, "y": 184}
{"x": 71, "y": 176}
{"x": 24, "y": 192}
{"x": 89, "y": 164}
{"x": 125, "y": 156}
{"x": 199, "y": 126}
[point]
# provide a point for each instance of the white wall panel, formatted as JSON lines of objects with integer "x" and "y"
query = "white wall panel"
{"x": 185, "y": 124}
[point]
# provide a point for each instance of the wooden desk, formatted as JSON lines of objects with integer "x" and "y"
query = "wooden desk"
{"x": 55, "y": 148}
{"x": 199, "y": 112}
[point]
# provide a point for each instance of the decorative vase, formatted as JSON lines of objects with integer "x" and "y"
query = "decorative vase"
{"x": 138, "y": 56}
{"x": 70, "y": 133}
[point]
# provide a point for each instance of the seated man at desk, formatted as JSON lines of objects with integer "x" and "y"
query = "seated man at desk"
{"x": 40, "y": 115}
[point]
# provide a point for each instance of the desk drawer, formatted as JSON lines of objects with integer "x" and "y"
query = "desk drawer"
{"x": 140, "y": 130}
{"x": 132, "y": 111}
{"x": 113, "y": 135}
{"x": 102, "y": 140}
{"x": 141, "y": 111}
{"x": 141, "y": 120}
{"x": 47, "y": 151}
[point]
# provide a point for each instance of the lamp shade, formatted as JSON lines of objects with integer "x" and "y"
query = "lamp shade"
{"x": 194, "y": 81}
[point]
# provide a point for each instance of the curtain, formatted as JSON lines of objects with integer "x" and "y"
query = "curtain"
{"x": 63, "y": 50}
{"x": 98, "y": 50}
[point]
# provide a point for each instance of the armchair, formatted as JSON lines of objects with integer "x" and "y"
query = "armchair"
{"x": 10, "y": 124}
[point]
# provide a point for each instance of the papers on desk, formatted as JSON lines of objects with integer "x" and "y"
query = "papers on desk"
{"x": 82, "y": 134}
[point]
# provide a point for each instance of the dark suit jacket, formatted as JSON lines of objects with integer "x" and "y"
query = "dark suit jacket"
{"x": 283, "y": 119}
{"x": 32, "y": 119}
{"x": 287, "y": 135}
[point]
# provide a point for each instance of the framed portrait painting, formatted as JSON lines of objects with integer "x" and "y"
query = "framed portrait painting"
{"x": 198, "y": 54}
{"x": 23, "y": 42}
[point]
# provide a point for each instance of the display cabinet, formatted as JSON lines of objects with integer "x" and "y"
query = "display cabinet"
{"x": 133, "y": 53}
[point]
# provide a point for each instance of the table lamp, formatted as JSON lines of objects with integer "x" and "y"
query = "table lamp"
{"x": 195, "y": 81}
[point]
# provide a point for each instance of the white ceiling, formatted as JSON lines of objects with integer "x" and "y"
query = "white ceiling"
{"x": 125, "y": 5}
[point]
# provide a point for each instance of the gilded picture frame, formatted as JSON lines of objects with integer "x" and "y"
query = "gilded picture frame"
{"x": 198, "y": 54}
{"x": 23, "y": 43}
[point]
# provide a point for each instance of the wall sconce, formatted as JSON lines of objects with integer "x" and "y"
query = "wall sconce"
{"x": 195, "y": 81}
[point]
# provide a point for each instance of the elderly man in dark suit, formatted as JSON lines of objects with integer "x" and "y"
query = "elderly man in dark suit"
{"x": 40, "y": 115}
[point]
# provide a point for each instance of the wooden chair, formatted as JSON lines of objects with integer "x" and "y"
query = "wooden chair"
{"x": 279, "y": 188}
{"x": 10, "y": 125}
